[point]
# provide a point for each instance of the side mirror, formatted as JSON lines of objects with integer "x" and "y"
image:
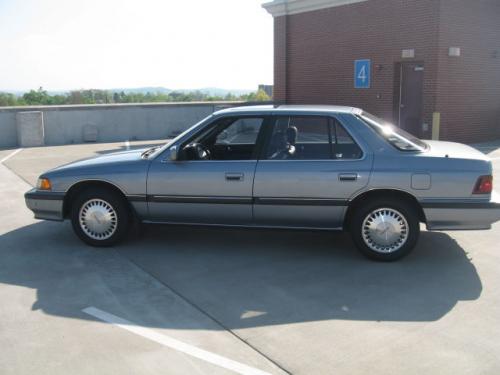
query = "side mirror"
{"x": 222, "y": 135}
{"x": 172, "y": 154}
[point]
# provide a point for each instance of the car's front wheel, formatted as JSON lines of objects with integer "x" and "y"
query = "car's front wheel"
{"x": 99, "y": 217}
{"x": 385, "y": 229}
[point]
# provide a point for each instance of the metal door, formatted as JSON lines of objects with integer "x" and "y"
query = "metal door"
{"x": 410, "y": 95}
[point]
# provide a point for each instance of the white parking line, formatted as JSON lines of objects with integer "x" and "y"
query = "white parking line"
{"x": 11, "y": 155}
{"x": 173, "y": 343}
{"x": 127, "y": 144}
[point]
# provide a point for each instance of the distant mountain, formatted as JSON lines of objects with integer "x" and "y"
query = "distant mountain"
{"x": 142, "y": 90}
{"x": 13, "y": 92}
{"x": 214, "y": 91}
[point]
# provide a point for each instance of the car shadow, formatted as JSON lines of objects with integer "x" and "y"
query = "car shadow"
{"x": 241, "y": 278}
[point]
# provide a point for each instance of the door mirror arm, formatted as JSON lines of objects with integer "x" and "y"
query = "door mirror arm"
{"x": 173, "y": 154}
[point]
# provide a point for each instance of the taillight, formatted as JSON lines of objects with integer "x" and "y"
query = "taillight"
{"x": 484, "y": 185}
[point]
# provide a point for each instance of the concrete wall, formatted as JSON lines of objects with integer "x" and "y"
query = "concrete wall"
{"x": 8, "y": 133}
{"x": 30, "y": 129}
{"x": 109, "y": 122}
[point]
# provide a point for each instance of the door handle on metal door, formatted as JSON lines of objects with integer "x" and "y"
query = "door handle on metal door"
{"x": 234, "y": 176}
{"x": 348, "y": 176}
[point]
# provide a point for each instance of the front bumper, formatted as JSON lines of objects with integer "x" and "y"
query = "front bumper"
{"x": 462, "y": 215}
{"x": 45, "y": 205}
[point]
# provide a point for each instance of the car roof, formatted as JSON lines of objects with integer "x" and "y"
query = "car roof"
{"x": 289, "y": 108}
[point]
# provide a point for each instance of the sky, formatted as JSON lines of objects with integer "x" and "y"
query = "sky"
{"x": 181, "y": 44}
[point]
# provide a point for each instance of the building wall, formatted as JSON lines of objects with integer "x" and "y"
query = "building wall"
{"x": 468, "y": 94}
{"x": 322, "y": 46}
{"x": 280, "y": 59}
{"x": 315, "y": 53}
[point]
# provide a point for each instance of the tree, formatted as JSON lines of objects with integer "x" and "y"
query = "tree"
{"x": 258, "y": 96}
{"x": 261, "y": 96}
{"x": 92, "y": 96}
{"x": 7, "y": 100}
{"x": 39, "y": 97}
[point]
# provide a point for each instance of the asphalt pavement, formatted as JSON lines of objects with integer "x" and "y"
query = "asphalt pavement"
{"x": 190, "y": 300}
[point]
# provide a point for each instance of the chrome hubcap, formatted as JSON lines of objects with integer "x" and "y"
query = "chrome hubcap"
{"x": 98, "y": 219}
{"x": 385, "y": 230}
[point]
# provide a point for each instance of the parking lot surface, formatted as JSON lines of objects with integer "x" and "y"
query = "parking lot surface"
{"x": 190, "y": 300}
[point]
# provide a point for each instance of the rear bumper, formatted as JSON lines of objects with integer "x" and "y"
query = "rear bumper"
{"x": 46, "y": 205}
{"x": 461, "y": 215}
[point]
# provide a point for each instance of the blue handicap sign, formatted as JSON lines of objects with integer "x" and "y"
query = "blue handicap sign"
{"x": 362, "y": 74}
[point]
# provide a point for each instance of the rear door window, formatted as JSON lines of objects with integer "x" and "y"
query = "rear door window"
{"x": 310, "y": 138}
{"x": 300, "y": 138}
{"x": 344, "y": 146}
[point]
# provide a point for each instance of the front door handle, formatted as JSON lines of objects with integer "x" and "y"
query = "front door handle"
{"x": 348, "y": 176}
{"x": 234, "y": 176}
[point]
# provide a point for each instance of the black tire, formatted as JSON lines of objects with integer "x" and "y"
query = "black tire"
{"x": 121, "y": 212}
{"x": 404, "y": 208}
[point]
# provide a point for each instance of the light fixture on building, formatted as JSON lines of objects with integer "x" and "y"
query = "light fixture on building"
{"x": 454, "y": 52}
{"x": 408, "y": 53}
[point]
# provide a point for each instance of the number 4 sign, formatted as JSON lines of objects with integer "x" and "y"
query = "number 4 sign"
{"x": 362, "y": 76}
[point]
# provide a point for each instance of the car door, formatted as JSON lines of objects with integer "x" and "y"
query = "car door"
{"x": 309, "y": 168}
{"x": 216, "y": 190}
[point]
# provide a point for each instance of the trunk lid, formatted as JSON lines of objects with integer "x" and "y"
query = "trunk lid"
{"x": 454, "y": 150}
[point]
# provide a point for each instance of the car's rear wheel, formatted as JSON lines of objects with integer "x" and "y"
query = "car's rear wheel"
{"x": 385, "y": 229}
{"x": 99, "y": 217}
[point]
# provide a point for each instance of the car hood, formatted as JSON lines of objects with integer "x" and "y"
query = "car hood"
{"x": 104, "y": 160}
{"x": 454, "y": 150}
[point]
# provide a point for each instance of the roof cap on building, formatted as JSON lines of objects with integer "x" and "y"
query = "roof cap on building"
{"x": 283, "y": 7}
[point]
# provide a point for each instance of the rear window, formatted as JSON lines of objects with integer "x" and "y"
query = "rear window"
{"x": 397, "y": 137}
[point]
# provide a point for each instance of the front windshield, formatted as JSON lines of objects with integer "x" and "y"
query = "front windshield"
{"x": 397, "y": 137}
{"x": 159, "y": 150}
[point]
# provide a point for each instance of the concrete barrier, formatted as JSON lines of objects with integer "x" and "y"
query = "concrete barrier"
{"x": 100, "y": 122}
{"x": 8, "y": 131}
{"x": 30, "y": 130}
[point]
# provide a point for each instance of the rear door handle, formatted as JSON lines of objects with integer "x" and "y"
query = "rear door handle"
{"x": 348, "y": 176}
{"x": 234, "y": 176}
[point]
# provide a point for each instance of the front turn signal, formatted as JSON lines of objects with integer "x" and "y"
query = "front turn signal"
{"x": 43, "y": 184}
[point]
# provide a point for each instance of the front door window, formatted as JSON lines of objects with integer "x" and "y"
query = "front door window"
{"x": 227, "y": 139}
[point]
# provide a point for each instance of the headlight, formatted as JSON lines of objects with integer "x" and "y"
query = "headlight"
{"x": 43, "y": 184}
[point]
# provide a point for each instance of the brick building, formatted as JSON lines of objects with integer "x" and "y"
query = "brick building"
{"x": 430, "y": 66}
